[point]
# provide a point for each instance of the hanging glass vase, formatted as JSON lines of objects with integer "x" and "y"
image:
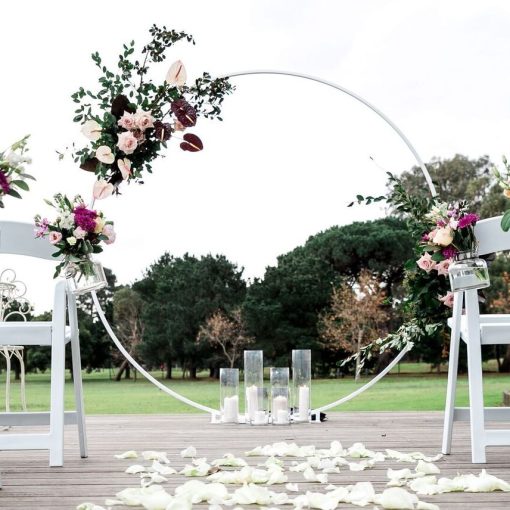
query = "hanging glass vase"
{"x": 85, "y": 276}
{"x": 468, "y": 271}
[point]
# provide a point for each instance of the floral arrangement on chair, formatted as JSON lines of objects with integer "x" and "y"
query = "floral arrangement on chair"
{"x": 442, "y": 231}
{"x": 128, "y": 124}
{"x": 77, "y": 232}
{"x": 12, "y": 171}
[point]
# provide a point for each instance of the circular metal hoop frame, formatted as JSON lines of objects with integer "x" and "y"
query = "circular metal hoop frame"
{"x": 373, "y": 381}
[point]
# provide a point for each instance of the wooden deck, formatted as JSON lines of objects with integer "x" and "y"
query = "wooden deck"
{"x": 28, "y": 482}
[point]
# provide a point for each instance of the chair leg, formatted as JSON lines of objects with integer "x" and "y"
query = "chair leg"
{"x": 77, "y": 379}
{"x": 453, "y": 365}
{"x": 475, "y": 378}
{"x": 57, "y": 400}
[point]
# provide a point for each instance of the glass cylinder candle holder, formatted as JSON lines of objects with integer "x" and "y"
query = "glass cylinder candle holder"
{"x": 301, "y": 384}
{"x": 229, "y": 395}
{"x": 280, "y": 396}
{"x": 254, "y": 388}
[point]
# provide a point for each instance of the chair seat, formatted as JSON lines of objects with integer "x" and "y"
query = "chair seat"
{"x": 494, "y": 328}
{"x": 28, "y": 333}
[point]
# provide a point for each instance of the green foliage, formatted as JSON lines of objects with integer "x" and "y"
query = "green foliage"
{"x": 179, "y": 295}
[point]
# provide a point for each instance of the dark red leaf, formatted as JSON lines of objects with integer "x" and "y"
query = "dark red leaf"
{"x": 191, "y": 143}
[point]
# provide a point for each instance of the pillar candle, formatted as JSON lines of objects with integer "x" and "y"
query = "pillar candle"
{"x": 304, "y": 402}
{"x": 231, "y": 409}
{"x": 252, "y": 401}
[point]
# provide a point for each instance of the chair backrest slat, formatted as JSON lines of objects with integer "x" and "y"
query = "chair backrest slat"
{"x": 18, "y": 238}
{"x": 490, "y": 236}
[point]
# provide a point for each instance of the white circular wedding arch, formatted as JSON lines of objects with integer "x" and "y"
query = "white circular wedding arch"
{"x": 374, "y": 380}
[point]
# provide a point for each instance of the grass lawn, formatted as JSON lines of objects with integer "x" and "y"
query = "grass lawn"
{"x": 415, "y": 390}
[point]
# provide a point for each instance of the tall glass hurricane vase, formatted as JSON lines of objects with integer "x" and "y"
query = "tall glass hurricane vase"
{"x": 301, "y": 384}
{"x": 254, "y": 388}
{"x": 280, "y": 396}
{"x": 229, "y": 395}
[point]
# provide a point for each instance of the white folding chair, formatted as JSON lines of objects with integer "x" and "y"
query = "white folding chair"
{"x": 18, "y": 239}
{"x": 476, "y": 330}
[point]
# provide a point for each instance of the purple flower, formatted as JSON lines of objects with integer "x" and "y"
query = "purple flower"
{"x": 4, "y": 183}
{"x": 85, "y": 218}
{"x": 449, "y": 252}
{"x": 468, "y": 219}
{"x": 41, "y": 227}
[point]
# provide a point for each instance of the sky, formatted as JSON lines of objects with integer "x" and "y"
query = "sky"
{"x": 290, "y": 153}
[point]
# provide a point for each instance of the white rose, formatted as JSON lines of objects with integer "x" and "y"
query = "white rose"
{"x": 105, "y": 154}
{"x": 71, "y": 240}
{"x": 444, "y": 236}
{"x": 91, "y": 130}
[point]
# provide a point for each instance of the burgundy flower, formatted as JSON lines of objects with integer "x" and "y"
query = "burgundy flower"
{"x": 449, "y": 252}
{"x": 85, "y": 218}
{"x": 468, "y": 219}
{"x": 184, "y": 112}
{"x": 4, "y": 183}
{"x": 191, "y": 143}
{"x": 162, "y": 130}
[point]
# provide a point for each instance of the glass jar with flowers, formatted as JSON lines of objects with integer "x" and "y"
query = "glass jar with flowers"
{"x": 77, "y": 233}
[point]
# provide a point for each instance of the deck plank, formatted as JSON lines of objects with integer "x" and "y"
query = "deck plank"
{"x": 28, "y": 481}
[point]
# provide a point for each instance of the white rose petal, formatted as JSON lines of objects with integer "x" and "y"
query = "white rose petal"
{"x": 230, "y": 461}
{"x": 358, "y": 450}
{"x": 427, "y": 468}
{"x": 321, "y": 501}
{"x": 89, "y": 506}
{"x": 113, "y": 502}
{"x": 425, "y": 486}
{"x": 149, "y": 478}
{"x": 179, "y": 504}
{"x": 153, "y": 455}
{"x": 155, "y": 497}
{"x": 396, "y": 498}
{"x": 130, "y": 454}
{"x": 196, "y": 470}
{"x": 361, "y": 494}
{"x": 423, "y": 505}
{"x": 292, "y": 487}
{"x": 135, "y": 469}
{"x": 198, "y": 491}
{"x": 161, "y": 469}
{"x": 190, "y": 451}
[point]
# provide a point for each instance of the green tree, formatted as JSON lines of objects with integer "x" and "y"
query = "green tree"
{"x": 179, "y": 293}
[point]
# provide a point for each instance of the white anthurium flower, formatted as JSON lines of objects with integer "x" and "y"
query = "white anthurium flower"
{"x": 150, "y": 478}
{"x": 153, "y": 455}
{"x": 427, "y": 468}
{"x": 292, "y": 487}
{"x": 423, "y": 505}
{"x": 89, "y": 506}
{"x": 230, "y": 460}
{"x": 190, "y": 451}
{"x": 198, "y": 492}
{"x": 196, "y": 469}
{"x": 134, "y": 469}
{"x": 361, "y": 494}
{"x": 91, "y": 130}
{"x": 105, "y": 154}
{"x": 176, "y": 75}
{"x": 425, "y": 486}
{"x": 130, "y": 454}
{"x": 396, "y": 498}
{"x": 162, "y": 469}
{"x": 358, "y": 450}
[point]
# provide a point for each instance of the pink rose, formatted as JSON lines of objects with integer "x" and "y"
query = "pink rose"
{"x": 109, "y": 233}
{"x": 426, "y": 263}
{"x": 447, "y": 300}
{"x": 54, "y": 237}
{"x": 444, "y": 236}
{"x": 127, "y": 121}
{"x": 127, "y": 142}
{"x": 143, "y": 120}
{"x": 443, "y": 266}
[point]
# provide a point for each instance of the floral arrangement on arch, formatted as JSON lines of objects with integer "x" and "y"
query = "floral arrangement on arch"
{"x": 441, "y": 231}
{"x": 77, "y": 232}
{"x": 130, "y": 119}
{"x": 12, "y": 170}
